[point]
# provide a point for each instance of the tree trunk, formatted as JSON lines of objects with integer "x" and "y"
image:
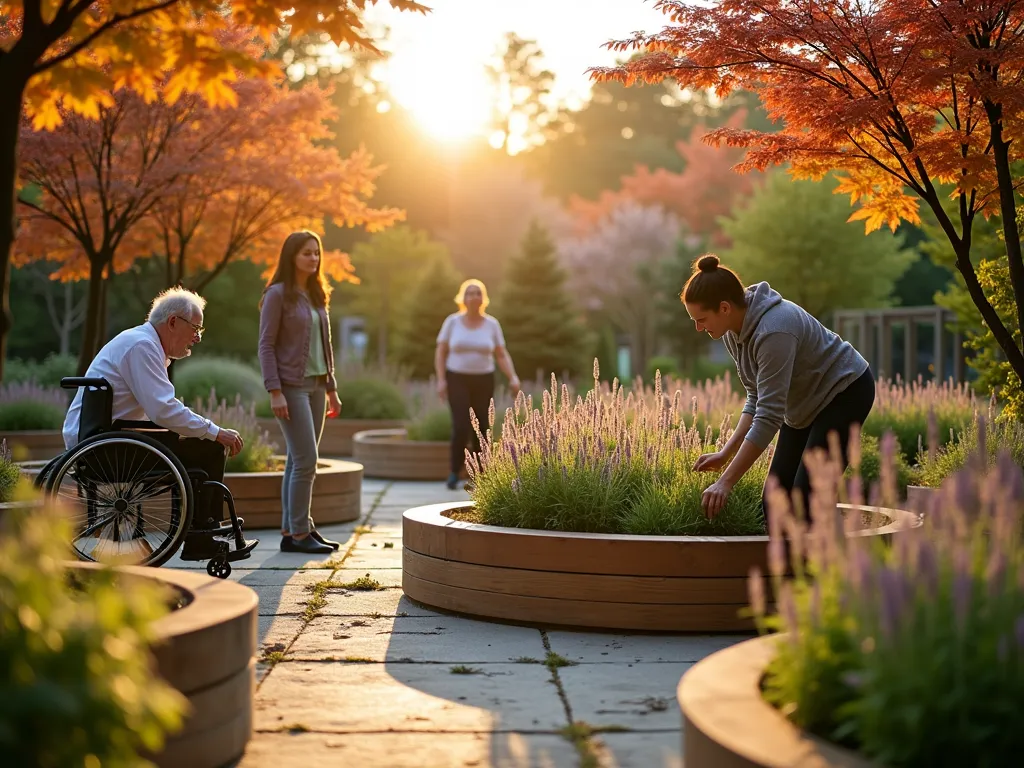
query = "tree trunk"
{"x": 92, "y": 317}
{"x": 1011, "y": 234}
{"x": 11, "y": 98}
{"x": 69, "y": 311}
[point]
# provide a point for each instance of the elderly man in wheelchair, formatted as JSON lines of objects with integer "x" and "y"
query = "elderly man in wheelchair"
{"x": 143, "y": 473}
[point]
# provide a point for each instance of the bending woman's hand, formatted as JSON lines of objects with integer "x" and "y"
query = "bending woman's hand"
{"x": 714, "y": 498}
{"x": 711, "y": 462}
{"x": 279, "y": 405}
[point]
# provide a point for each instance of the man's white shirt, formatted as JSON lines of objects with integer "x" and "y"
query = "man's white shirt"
{"x": 135, "y": 365}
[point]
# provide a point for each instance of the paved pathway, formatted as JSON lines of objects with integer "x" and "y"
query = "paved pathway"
{"x": 353, "y": 673}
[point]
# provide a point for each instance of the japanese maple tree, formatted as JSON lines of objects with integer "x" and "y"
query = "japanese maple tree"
{"x": 899, "y": 95}
{"x": 63, "y": 56}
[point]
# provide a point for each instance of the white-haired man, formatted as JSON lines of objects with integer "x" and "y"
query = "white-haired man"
{"x": 135, "y": 364}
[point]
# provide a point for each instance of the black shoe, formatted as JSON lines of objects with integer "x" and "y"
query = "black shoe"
{"x": 453, "y": 480}
{"x": 307, "y": 546}
{"x": 335, "y": 545}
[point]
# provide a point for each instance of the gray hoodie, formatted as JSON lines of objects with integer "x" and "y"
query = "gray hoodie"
{"x": 789, "y": 363}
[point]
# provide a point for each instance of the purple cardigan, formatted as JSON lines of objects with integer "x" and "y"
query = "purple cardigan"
{"x": 284, "y": 340}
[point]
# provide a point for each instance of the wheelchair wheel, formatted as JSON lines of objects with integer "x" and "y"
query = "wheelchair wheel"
{"x": 128, "y": 498}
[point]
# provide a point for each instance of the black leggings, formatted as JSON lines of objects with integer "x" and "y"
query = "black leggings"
{"x": 465, "y": 391}
{"x": 851, "y": 406}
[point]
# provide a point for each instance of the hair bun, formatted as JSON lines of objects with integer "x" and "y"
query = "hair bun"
{"x": 708, "y": 263}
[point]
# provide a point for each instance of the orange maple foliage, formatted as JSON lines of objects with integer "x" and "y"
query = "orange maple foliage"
{"x": 899, "y": 95}
{"x": 705, "y": 189}
{"x": 192, "y": 184}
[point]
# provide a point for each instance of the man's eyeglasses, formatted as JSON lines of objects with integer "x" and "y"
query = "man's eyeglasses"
{"x": 197, "y": 328}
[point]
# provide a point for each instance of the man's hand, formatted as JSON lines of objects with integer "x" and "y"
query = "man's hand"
{"x": 711, "y": 462}
{"x": 714, "y": 498}
{"x": 333, "y": 405}
{"x": 230, "y": 440}
{"x": 279, "y": 405}
{"x": 515, "y": 385}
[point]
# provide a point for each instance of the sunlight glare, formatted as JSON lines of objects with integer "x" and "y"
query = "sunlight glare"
{"x": 449, "y": 97}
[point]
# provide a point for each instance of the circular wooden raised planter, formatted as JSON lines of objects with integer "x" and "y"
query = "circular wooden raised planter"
{"x": 34, "y": 445}
{"x": 919, "y": 497}
{"x": 613, "y": 581}
{"x": 390, "y": 454}
{"x": 727, "y": 724}
{"x": 337, "y": 435}
{"x": 207, "y": 650}
{"x": 337, "y": 494}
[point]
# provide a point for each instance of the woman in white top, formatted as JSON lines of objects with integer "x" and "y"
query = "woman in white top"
{"x": 468, "y": 345}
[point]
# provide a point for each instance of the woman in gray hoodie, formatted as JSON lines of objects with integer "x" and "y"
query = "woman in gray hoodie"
{"x": 802, "y": 380}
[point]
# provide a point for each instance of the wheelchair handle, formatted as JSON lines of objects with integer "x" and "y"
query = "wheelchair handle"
{"x": 74, "y": 382}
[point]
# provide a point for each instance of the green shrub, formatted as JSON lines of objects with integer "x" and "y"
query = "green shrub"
{"x": 904, "y": 409}
{"x": 871, "y": 466}
{"x": 611, "y": 463}
{"x": 369, "y": 397}
{"x": 77, "y": 682}
{"x": 195, "y": 379}
{"x": 433, "y": 426}
{"x": 258, "y": 451}
{"x": 30, "y": 406}
{"x": 912, "y": 654}
{"x": 1001, "y": 436}
{"x": 668, "y": 366}
{"x": 46, "y": 373}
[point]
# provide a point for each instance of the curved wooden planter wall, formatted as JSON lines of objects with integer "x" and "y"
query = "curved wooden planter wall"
{"x": 389, "y": 454}
{"x": 338, "y": 433}
{"x": 613, "y": 581}
{"x": 337, "y": 494}
{"x": 34, "y": 445}
{"x": 727, "y": 724}
{"x": 207, "y": 650}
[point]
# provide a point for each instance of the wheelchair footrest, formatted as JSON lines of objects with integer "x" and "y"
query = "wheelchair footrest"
{"x": 243, "y": 553}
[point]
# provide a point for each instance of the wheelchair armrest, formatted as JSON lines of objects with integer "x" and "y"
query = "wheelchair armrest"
{"x": 74, "y": 382}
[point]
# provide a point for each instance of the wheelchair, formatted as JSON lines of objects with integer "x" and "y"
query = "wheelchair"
{"x": 129, "y": 497}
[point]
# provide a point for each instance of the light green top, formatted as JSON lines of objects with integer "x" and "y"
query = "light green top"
{"x": 316, "y": 365}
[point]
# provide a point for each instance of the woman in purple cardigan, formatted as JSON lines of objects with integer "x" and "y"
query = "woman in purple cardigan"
{"x": 297, "y": 361}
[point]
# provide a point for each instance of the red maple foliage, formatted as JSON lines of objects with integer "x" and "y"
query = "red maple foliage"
{"x": 901, "y": 96}
{"x": 705, "y": 189}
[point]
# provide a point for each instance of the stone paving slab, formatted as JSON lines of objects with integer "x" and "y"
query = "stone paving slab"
{"x": 352, "y": 698}
{"x": 641, "y": 697}
{"x": 267, "y": 577}
{"x": 587, "y": 647}
{"x": 421, "y": 639}
{"x": 387, "y": 577}
{"x": 408, "y": 750}
{"x": 660, "y": 749}
{"x": 277, "y": 600}
{"x": 387, "y": 602}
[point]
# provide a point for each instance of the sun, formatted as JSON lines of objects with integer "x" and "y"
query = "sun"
{"x": 450, "y": 100}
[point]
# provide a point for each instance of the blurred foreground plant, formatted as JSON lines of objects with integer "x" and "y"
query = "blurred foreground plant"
{"x": 77, "y": 683}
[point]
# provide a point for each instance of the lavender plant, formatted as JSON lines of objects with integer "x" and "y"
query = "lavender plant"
{"x": 28, "y": 406}
{"x": 904, "y": 408}
{"x": 979, "y": 445}
{"x": 611, "y": 462}
{"x": 911, "y": 653}
{"x": 258, "y": 453}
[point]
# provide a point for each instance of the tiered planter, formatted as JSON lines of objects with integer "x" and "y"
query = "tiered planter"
{"x": 920, "y": 496}
{"x": 206, "y": 650}
{"x": 390, "y": 454}
{"x": 614, "y": 581}
{"x": 34, "y": 445}
{"x": 727, "y": 724}
{"x": 337, "y": 435}
{"x": 337, "y": 494}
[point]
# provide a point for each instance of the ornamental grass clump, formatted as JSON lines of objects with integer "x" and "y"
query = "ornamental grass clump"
{"x": 905, "y": 408}
{"x": 983, "y": 436}
{"x": 611, "y": 463}
{"x": 911, "y": 653}
{"x": 26, "y": 406}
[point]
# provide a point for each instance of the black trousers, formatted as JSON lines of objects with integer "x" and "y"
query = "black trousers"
{"x": 465, "y": 391}
{"x": 851, "y": 406}
{"x": 207, "y": 456}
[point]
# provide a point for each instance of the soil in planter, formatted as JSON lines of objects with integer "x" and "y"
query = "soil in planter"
{"x": 175, "y": 598}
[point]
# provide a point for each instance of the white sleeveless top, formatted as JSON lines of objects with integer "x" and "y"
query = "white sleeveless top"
{"x": 471, "y": 350}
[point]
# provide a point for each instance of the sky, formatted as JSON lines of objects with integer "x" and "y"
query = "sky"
{"x": 436, "y": 66}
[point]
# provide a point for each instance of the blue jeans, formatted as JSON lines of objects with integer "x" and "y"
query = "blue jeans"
{"x": 302, "y": 429}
